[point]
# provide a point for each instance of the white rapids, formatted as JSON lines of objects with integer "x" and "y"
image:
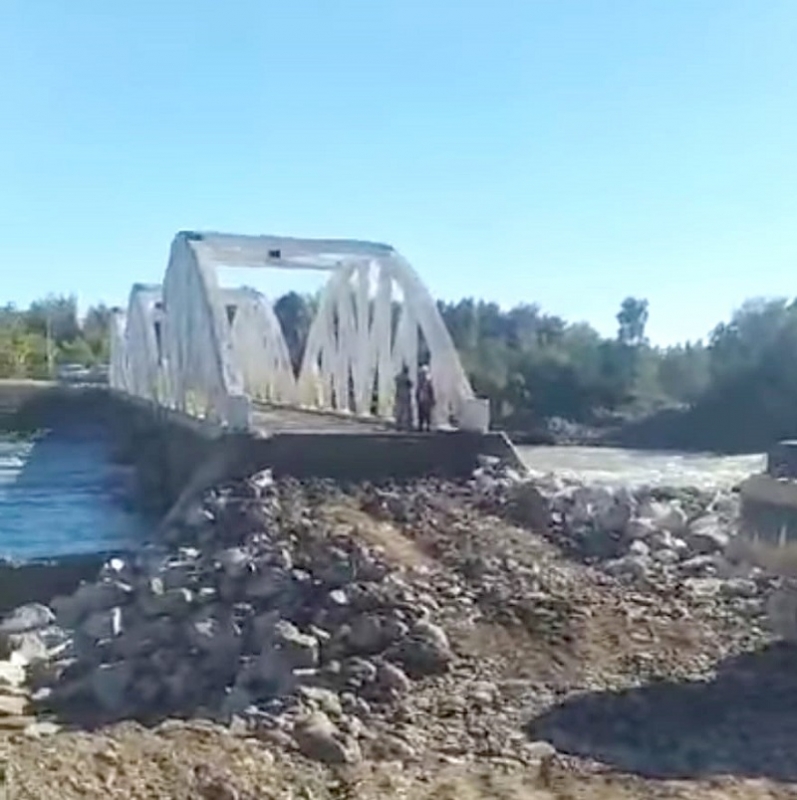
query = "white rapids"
{"x": 612, "y": 466}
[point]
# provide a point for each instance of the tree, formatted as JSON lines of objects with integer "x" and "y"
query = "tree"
{"x": 683, "y": 372}
{"x": 738, "y": 345}
{"x": 78, "y": 351}
{"x": 97, "y": 332}
{"x": 462, "y": 322}
{"x": 295, "y": 313}
{"x": 632, "y": 319}
{"x": 55, "y": 316}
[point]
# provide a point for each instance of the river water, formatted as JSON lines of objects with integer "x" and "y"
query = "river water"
{"x": 612, "y": 466}
{"x": 61, "y": 495}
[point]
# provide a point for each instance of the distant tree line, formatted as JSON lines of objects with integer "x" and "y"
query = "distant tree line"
{"x": 534, "y": 366}
{"x": 740, "y": 384}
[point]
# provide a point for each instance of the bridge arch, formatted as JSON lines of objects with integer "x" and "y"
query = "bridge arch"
{"x": 205, "y": 350}
{"x": 361, "y": 337}
{"x": 117, "y": 368}
{"x": 198, "y": 343}
{"x": 143, "y": 344}
{"x": 259, "y": 347}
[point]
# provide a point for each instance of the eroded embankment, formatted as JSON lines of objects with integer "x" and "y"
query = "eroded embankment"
{"x": 496, "y": 637}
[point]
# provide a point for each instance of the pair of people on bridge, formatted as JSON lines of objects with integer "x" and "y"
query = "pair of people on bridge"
{"x": 424, "y": 399}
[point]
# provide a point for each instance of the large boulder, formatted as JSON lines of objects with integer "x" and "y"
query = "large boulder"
{"x": 29, "y": 617}
{"x": 318, "y": 738}
{"x": 665, "y": 516}
{"x": 425, "y": 651}
{"x": 707, "y": 535}
{"x": 89, "y": 599}
{"x": 527, "y": 506}
{"x": 300, "y": 649}
{"x": 109, "y": 684}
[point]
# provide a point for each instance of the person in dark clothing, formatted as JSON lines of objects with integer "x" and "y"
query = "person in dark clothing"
{"x": 403, "y": 403}
{"x": 424, "y": 396}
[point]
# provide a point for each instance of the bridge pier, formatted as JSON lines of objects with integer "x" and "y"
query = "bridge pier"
{"x": 170, "y": 451}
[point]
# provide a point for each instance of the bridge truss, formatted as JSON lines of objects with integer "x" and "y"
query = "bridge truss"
{"x": 209, "y": 351}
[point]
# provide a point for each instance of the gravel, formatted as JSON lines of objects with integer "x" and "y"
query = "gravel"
{"x": 496, "y": 620}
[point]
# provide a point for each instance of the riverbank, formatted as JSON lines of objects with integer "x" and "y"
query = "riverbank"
{"x": 697, "y": 430}
{"x": 430, "y": 639}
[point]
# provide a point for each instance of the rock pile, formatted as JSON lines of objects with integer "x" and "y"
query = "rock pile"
{"x": 257, "y": 612}
{"x": 390, "y": 621}
{"x": 634, "y": 534}
{"x": 637, "y": 533}
{"x": 28, "y": 638}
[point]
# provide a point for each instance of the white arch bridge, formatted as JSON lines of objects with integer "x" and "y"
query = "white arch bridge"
{"x": 220, "y": 354}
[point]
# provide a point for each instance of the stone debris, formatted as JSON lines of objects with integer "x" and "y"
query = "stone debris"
{"x": 258, "y": 612}
{"x": 40, "y": 729}
{"x": 29, "y": 617}
{"x": 13, "y": 705}
{"x": 318, "y": 738}
{"x": 12, "y": 674}
{"x": 391, "y": 621}
{"x": 635, "y": 535}
{"x": 29, "y": 639}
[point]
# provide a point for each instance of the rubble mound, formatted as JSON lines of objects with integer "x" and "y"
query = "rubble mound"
{"x": 421, "y": 622}
{"x": 264, "y": 608}
{"x": 644, "y": 535}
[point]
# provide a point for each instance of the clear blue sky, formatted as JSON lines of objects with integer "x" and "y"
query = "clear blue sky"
{"x": 565, "y": 152}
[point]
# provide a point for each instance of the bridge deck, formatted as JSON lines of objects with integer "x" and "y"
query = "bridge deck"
{"x": 274, "y": 419}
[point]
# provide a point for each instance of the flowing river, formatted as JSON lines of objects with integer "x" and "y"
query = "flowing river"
{"x": 61, "y": 495}
{"x": 613, "y": 465}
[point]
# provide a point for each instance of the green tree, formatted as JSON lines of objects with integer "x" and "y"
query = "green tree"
{"x": 55, "y": 316}
{"x": 96, "y": 331}
{"x": 295, "y": 313}
{"x": 632, "y": 319}
{"x": 78, "y": 351}
{"x": 683, "y": 372}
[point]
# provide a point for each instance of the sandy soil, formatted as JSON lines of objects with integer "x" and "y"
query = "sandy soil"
{"x": 128, "y": 761}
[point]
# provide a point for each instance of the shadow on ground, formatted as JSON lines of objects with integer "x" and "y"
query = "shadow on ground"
{"x": 744, "y": 722}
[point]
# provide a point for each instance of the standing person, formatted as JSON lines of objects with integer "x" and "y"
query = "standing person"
{"x": 403, "y": 402}
{"x": 424, "y": 396}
